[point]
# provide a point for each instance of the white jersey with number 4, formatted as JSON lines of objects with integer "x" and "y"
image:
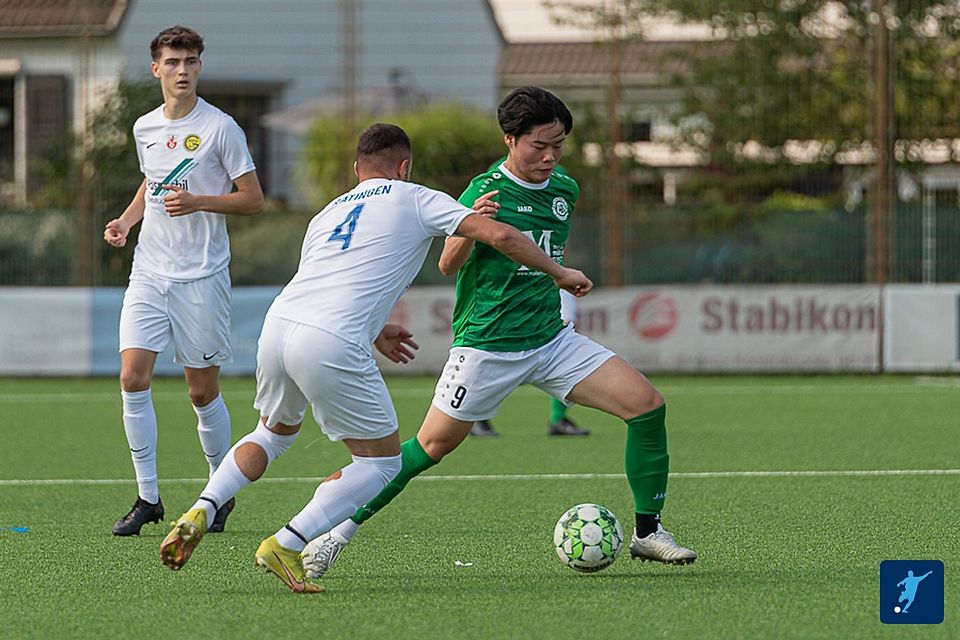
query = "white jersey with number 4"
{"x": 361, "y": 252}
{"x": 203, "y": 153}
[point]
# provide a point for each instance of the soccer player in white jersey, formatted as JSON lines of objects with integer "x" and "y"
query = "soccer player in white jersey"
{"x": 359, "y": 254}
{"x": 192, "y": 155}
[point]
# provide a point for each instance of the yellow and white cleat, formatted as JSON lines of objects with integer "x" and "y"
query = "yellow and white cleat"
{"x": 186, "y": 534}
{"x": 286, "y": 565}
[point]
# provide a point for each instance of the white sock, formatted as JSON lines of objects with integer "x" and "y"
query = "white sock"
{"x": 140, "y": 425}
{"x": 213, "y": 427}
{"x": 337, "y": 498}
{"x": 346, "y": 530}
{"x": 228, "y": 479}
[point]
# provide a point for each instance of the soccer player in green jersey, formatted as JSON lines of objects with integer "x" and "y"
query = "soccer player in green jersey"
{"x": 507, "y": 332}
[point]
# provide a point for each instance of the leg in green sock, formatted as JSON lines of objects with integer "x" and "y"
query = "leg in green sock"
{"x": 415, "y": 461}
{"x": 558, "y": 411}
{"x": 646, "y": 461}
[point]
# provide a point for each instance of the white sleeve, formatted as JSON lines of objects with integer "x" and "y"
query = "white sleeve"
{"x": 440, "y": 215}
{"x": 234, "y": 154}
{"x": 136, "y": 143}
{"x": 568, "y": 306}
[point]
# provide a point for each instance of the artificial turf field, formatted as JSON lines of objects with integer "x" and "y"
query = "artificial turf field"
{"x": 764, "y": 485}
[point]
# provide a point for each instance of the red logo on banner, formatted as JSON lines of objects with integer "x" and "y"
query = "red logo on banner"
{"x": 653, "y": 316}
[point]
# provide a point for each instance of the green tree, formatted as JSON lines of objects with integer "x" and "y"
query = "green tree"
{"x": 781, "y": 70}
{"x": 451, "y": 144}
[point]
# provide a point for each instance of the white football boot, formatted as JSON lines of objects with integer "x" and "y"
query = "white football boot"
{"x": 321, "y": 552}
{"x": 660, "y": 546}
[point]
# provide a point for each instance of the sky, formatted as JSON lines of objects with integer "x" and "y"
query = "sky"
{"x": 529, "y": 21}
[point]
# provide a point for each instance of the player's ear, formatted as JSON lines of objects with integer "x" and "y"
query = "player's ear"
{"x": 155, "y": 68}
{"x": 509, "y": 140}
{"x": 356, "y": 169}
{"x": 405, "y": 169}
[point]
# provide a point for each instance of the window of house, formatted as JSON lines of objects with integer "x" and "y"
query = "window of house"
{"x": 247, "y": 108}
{"x": 6, "y": 130}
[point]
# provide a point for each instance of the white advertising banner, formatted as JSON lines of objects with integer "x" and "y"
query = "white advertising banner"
{"x": 696, "y": 328}
{"x": 45, "y": 331}
{"x": 72, "y": 331}
{"x": 921, "y": 328}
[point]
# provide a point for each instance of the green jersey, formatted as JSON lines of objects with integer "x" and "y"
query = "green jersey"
{"x": 502, "y": 305}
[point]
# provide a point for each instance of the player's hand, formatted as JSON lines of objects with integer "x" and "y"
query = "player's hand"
{"x": 179, "y": 202}
{"x": 395, "y": 342}
{"x": 115, "y": 233}
{"x": 485, "y": 205}
{"x": 575, "y": 282}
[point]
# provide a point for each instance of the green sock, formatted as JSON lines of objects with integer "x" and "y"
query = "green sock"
{"x": 558, "y": 411}
{"x": 646, "y": 461}
{"x": 415, "y": 461}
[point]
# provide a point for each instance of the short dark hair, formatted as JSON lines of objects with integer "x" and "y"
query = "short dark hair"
{"x": 382, "y": 137}
{"x": 177, "y": 37}
{"x": 528, "y": 107}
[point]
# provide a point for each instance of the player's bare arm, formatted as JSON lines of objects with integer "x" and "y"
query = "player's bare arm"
{"x": 115, "y": 233}
{"x": 456, "y": 250}
{"x": 247, "y": 200}
{"x": 396, "y": 343}
{"x": 516, "y": 246}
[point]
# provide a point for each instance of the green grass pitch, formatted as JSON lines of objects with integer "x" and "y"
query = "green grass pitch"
{"x": 781, "y": 555}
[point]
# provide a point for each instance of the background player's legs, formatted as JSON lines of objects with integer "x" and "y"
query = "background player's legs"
{"x": 213, "y": 427}
{"x": 560, "y": 423}
{"x": 213, "y": 419}
{"x": 140, "y": 427}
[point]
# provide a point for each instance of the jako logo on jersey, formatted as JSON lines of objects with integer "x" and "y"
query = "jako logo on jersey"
{"x": 560, "y": 208}
{"x": 653, "y": 316}
{"x": 172, "y": 143}
{"x": 524, "y": 208}
{"x": 191, "y": 142}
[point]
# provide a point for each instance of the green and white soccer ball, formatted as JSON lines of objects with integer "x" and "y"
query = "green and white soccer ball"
{"x": 588, "y": 537}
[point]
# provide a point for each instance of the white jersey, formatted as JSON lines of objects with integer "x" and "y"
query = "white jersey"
{"x": 203, "y": 153}
{"x": 361, "y": 252}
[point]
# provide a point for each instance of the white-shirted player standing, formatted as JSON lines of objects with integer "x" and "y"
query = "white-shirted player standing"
{"x": 191, "y": 156}
{"x": 359, "y": 254}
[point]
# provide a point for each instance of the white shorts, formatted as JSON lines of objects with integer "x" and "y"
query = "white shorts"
{"x": 195, "y": 314}
{"x": 298, "y": 364}
{"x": 475, "y": 382}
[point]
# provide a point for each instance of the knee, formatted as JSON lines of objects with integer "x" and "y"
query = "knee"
{"x": 644, "y": 400}
{"x": 134, "y": 380}
{"x": 201, "y": 396}
{"x": 437, "y": 448}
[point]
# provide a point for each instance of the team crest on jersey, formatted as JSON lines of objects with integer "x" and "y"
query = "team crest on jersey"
{"x": 172, "y": 142}
{"x": 560, "y": 208}
{"x": 191, "y": 142}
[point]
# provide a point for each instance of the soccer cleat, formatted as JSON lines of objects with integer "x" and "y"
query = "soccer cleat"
{"x": 320, "y": 554}
{"x": 660, "y": 546}
{"x": 483, "y": 429}
{"x": 220, "y": 519}
{"x": 140, "y": 514}
{"x": 186, "y": 534}
{"x": 285, "y": 564}
{"x": 566, "y": 427}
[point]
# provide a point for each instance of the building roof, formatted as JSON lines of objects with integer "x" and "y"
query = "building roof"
{"x": 641, "y": 61}
{"x": 51, "y": 18}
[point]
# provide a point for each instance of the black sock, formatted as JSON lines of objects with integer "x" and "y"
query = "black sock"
{"x": 647, "y": 523}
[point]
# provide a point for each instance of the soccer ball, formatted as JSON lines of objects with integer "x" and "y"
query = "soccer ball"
{"x": 588, "y": 537}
